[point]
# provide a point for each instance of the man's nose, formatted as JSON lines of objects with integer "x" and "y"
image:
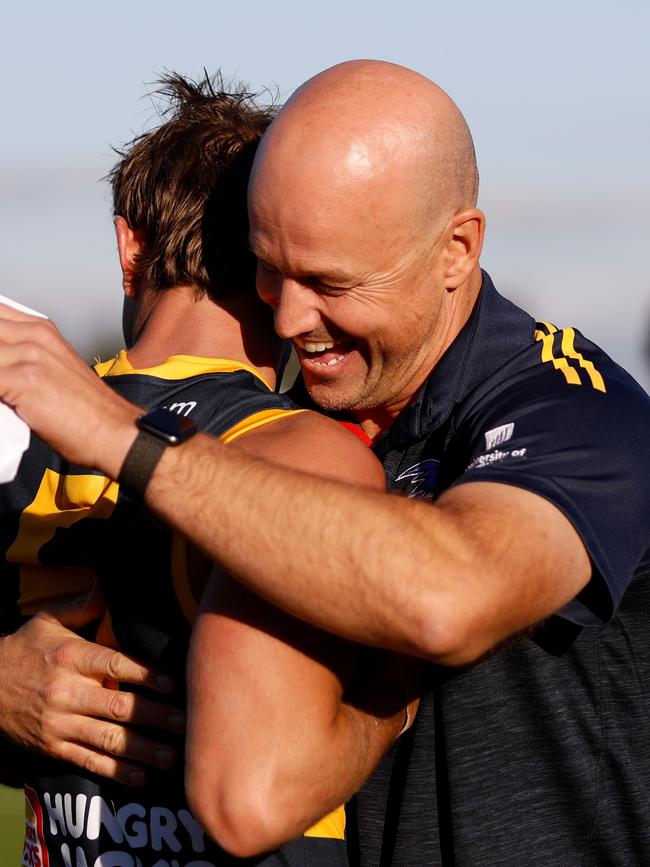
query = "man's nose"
{"x": 294, "y": 304}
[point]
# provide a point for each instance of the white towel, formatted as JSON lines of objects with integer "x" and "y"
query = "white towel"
{"x": 14, "y": 433}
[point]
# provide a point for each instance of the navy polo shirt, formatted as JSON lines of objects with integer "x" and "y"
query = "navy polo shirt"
{"x": 536, "y": 755}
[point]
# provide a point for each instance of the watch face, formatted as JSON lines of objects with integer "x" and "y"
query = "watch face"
{"x": 168, "y": 426}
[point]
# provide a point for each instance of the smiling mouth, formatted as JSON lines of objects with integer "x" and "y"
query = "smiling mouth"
{"x": 322, "y": 354}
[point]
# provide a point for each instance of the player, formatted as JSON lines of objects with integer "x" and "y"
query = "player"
{"x": 202, "y": 352}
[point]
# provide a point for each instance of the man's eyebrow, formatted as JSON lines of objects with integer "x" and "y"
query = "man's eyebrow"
{"x": 325, "y": 275}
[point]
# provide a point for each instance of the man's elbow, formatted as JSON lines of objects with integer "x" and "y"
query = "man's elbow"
{"x": 244, "y": 819}
{"x": 448, "y": 634}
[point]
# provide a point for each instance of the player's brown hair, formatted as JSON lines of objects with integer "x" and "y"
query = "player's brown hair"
{"x": 183, "y": 185}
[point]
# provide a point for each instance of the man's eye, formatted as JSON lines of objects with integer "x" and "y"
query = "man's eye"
{"x": 266, "y": 267}
{"x": 327, "y": 288}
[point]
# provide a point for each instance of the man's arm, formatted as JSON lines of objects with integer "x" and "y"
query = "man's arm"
{"x": 272, "y": 746}
{"x": 446, "y": 581}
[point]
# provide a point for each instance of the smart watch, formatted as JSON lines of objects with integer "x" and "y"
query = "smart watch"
{"x": 158, "y": 429}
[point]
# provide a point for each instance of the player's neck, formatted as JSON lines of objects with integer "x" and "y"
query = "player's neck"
{"x": 176, "y": 323}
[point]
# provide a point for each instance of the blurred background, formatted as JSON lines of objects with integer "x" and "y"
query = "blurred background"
{"x": 557, "y": 96}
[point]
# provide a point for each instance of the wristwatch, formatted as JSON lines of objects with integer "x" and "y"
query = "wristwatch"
{"x": 158, "y": 429}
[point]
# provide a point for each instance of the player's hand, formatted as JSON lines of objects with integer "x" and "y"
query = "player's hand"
{"x": 59, "y": 396}
{"x": 53, "y": 697}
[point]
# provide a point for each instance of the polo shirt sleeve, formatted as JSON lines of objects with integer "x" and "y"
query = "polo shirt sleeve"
{"x": 575, "y": 429}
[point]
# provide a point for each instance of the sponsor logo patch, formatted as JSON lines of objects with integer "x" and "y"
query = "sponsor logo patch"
{"x": 498, "y": 435}
{"x": 89, "y": 831}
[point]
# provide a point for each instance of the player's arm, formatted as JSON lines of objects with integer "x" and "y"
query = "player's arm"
{"x": 446, "y": 581}
{"x": 272, "y": 746}
{"x": 273, "y": 743}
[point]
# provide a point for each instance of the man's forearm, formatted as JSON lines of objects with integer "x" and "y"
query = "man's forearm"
{"x": 313, "y": 547}
{"x": 425, "y": 579}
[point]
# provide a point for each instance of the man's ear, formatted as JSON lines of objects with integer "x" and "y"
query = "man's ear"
{"x": 129, "y": 245}
{"x": 465, "y": 234}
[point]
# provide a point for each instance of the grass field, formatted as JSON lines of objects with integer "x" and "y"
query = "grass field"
{"x": 12, "y": 826}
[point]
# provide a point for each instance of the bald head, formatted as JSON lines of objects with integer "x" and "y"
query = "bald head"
{"x": 362, "y": 218}
{"x": 377, "y": 131}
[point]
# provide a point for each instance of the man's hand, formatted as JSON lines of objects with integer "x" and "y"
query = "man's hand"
{"x": 53, "y": 697}
{"x": 59, "y": 396}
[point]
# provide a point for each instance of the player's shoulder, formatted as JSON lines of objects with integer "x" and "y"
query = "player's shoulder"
{"x": 312, "y": 442}
{"x": 224, "y": 397}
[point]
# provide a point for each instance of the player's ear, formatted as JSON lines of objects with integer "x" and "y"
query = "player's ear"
{"x": 129, "y": 245}
{"x": 465, "y": 241}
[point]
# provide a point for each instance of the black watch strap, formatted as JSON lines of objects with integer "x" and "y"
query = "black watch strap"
{"x": 140, "y": 462}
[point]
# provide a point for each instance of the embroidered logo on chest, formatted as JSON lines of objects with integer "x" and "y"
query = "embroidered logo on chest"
{"x": 183, "y": 409}
{"x": 419, "y": 480}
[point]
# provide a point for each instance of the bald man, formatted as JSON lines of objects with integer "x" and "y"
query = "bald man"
{"x": 517, "y": 562}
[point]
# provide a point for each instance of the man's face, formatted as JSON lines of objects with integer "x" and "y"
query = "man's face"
{"x": 357, "y": 290}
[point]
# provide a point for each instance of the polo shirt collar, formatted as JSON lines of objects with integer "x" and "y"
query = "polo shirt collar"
{"x": 495, "y": 331}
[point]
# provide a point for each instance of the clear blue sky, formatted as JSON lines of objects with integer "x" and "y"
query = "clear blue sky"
{"x": 557, "y": 95}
